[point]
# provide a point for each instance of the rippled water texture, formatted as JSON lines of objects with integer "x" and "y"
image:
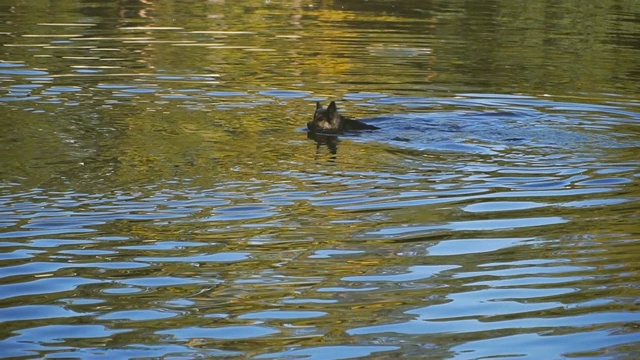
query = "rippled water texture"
{"x": 160, "y": 198}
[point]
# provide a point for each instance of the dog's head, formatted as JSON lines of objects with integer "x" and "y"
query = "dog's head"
{"x": 326, "y": 120}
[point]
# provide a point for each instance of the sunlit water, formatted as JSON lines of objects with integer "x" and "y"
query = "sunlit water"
{"x": 159, "y": 197}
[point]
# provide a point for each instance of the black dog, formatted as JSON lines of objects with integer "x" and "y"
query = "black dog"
{"x": 328, "y": 121}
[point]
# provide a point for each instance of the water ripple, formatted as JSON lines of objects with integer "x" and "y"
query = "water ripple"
{"x": 330, "y": 352}
{"x": 44, "y": 286}
{"x": 34, "y": 312}
{"x": 223, "y": 333}
{"x": 414, "y": 273}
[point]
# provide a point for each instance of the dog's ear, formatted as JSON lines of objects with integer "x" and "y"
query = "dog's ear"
{"x": 318, "y": 106}
{"x": 332, "y": 109}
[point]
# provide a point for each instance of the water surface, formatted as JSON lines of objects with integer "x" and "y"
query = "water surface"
{"x": 159, "y": 197}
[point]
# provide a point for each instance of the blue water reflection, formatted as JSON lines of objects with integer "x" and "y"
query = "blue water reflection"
{"x": 413, "y": 243}
{"x": 226, "y": 333}
{"x": 331, "y": 352}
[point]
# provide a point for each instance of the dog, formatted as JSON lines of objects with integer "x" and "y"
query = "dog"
{"x": 329, "y": 121}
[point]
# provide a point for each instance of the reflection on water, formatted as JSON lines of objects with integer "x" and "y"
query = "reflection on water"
{"x": 160, "y": 198}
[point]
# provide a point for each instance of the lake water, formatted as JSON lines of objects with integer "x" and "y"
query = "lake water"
{"x": 159, "y": 197}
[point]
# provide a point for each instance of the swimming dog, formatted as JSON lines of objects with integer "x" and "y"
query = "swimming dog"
{"x": 329, "y": 121}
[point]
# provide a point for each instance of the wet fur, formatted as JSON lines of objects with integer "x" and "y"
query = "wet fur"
{"x": 329, "y": 121}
